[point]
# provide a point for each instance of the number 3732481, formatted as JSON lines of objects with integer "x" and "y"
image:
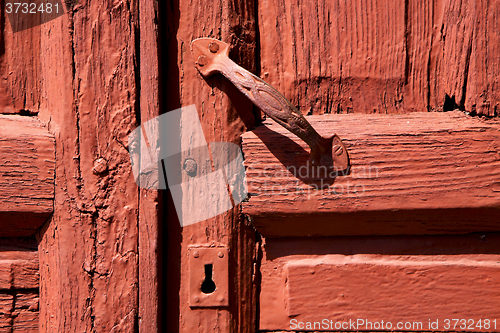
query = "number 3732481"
{"x": 31, "y": 8}
{"x": 470, "y": 324}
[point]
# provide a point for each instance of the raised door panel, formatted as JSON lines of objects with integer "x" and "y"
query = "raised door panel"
{"x": 407, "y": 283}
{"x": 27, "y": 164}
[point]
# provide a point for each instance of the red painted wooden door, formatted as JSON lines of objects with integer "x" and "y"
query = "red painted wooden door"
{"x": 410, "y": 236}
{"x": 409, "y": 240}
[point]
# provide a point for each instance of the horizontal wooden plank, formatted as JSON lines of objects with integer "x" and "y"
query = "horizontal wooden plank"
{"x": 6, "y": 304}
{"x": 26, "y": 313}
{"x": 27, "y": 300}
{"x": 19, "y": 312}
{"x": 420, "y": 173}
{"x": 19, "y": 273}
{"x": 5, "y": 323}
{"x": 6, "y": 308}
{"x": 25, "y": 322}
{"x": 394, "y": 279}
{"x": 27, "y": 161}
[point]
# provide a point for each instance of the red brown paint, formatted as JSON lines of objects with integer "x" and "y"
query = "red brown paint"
{"x": 93, "y": 73}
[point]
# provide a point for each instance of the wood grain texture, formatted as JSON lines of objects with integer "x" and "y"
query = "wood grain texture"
{"x": 339, "y": 284}
{"x": 27, "y": 163}
{"x": 19, "y": 265}
{"x": 412, "y": 173}
{"x": 19, "y": 312}
{"x": 222, "y": 118}
{"x": 88, "y": 250}
{"x": 333, "y": 56}
{"x": 407, "y": 278}
{"x": 6, "y": 307}
{"x": 20, "y": 69}
{"x": 25, "y": 314}
{"x": 19, "y": 273}
{"x": 149, "y": 204}
{"x": 380, "y": 56}
{"x": 19, "y": 282}
{"x": 483, "y": 88}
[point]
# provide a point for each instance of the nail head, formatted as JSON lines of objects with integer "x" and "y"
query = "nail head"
{"x": 202, "y": 60}
{"x": 100, "y": 166}
{"x": 190, "y": 166}
{"x": 213, "y": 47}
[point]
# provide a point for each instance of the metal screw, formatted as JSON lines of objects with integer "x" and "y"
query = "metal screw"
{"x": 221, "y": 255}
{"x": 221, "y": 299}
{"x": 190, "y": 166}
{"x": 337, "y": 150}
{"x": 202, "y": 60}
{"x": 196, "y": 254}
{"x": 196, "y": 299}
{"x": 213, "y": 47}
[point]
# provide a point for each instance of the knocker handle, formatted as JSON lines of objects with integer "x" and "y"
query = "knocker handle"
{"x": 212, "y": 56}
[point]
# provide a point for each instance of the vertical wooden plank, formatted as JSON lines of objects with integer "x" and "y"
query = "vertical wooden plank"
{"x": 452, "y": 47}
{"x": 419, "y": 34}
{"x": 105, "y": 84}
{"x": 378, "y": 56}
{"x": 492, "y": 108}
{"x": 483, "y": 90}
{"x": 232, "y": 22}
{"x": 65, "y": 247}
{"x": 465, "y": 65}
{"x": 149, "y": 200}
{"x": 88, "y": 250}
{"x": 20, "y": 66}
{"x": 335, "y": 56}
{"x": 5, "y": 102}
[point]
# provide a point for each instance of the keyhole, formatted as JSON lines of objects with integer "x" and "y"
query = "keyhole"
{"x": 208, "y": 285}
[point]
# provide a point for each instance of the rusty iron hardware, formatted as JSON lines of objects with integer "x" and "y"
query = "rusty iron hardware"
{"x": 212, "y": 56}
{"x": 208, "y": 277}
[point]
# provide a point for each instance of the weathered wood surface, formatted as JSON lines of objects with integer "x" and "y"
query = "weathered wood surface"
{"x": 25, "y": 313}
{"x": 382, "y": 56}
{"x": 223, "y": 119}
{"x": 407, "y": 278}
{"x": 19, "y": 269}
{"x": 88, "y": 249}
{"x": 418, "y": 173}
{"x": 150, "y": 205}
{"x": 19, "y": 274}
{"x": 85, "y": 83}
{"x": 6, "y": 307}
{"x": 27, "y": 163}
{"x": 20, "y": 69}
{"x": 19, "y": 281}
{"x": 19, "y": 312}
